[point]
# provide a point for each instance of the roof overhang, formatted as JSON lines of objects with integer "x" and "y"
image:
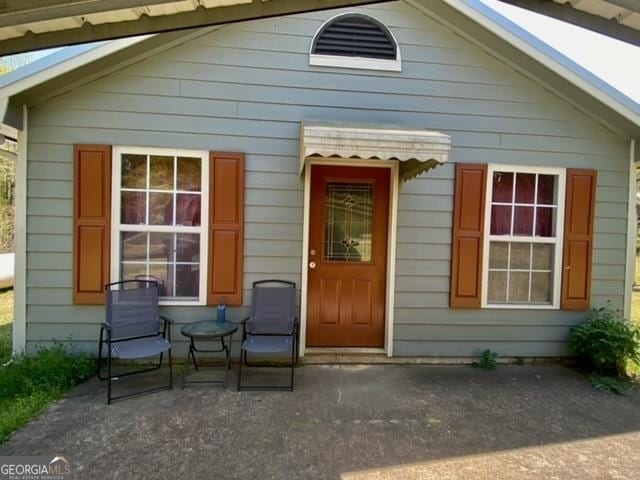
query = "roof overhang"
{"x": 417, "y": 150}
{"x": 36, "y": 24}
{"x": 618, "y": 19}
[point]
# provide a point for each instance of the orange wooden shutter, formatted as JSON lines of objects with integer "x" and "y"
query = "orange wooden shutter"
{"x": 91, "y": 222}
{"x": 468, "y": 227}
{"x": 578, "y": 239}
{"x": 226, "y": 228}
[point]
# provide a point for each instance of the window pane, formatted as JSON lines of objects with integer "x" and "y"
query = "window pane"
{"x": 187, "y": 209}
{"x": 160, "y": 208}
{"x": 187, "y": 280}
{"x": 519, "y": 287}
{"x": 133, "y": 246}
{"x": 133, "y": 208}
{"x": 545, "y": 222}
{"x": 500, "y": 220}
{"x": 189, "y": 174}
{"x": 161, "y": 247}
{"x": 131, "y": 271}
{"x": 542, "y": 256}
{"x": 134, "y": 171}
{"x": 188, "y": 247}
{"x": 161, "y": 177}
{"x": 546, "y": 189}
{"x": 348, "y": 222}
{"x": 523, "y": 221}
{"x": 163, "y": 274}
{"x": 502, "y": 187}
{"x": 498, "y": 255}
{"x": 541, "y": 287}
{"x": 497, "y": 288}
{"x": 525, "y": 187}
{"x": 520, "y": 255}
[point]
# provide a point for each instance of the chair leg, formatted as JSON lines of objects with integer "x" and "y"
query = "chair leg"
{"x": 109, "y": 375}
{"x": 170, "y": 371}
{"x": 242, "y": 353}
{"x": 293, "y": 365}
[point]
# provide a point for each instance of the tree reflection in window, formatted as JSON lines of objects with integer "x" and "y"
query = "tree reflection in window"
{"x": 160, "y": 222}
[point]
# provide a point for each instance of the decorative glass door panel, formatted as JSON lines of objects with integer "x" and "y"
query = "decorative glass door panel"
{"x": 348, "y": 220}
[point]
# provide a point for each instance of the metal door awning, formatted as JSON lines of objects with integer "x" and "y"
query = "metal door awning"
{"x": 417, "y": 150}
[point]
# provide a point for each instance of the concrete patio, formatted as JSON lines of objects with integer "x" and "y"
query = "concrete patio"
{"x": 352, "y": 422}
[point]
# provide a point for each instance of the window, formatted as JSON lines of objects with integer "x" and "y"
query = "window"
{"x": 159, "y": 220}
{"x": 355, "y": 41}
{"x": 523, "y": 240}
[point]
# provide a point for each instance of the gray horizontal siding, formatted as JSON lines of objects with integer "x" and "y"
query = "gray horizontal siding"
{"x": 246, "y": 88}
{"x": 469, "y": 317}
{"x": 439, "y": 348}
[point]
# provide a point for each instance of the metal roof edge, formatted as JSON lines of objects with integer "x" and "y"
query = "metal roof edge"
{"x": 60, "y": 62}
{"x": 546, "y": 55}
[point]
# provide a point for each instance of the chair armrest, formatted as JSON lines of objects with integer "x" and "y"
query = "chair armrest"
{"x": 166, "y": 320}
{"x": 105, "y": 326}
{"x": 243, "y": 321}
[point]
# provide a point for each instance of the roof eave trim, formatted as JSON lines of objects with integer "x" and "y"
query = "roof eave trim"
{"x": 48, "y": 68}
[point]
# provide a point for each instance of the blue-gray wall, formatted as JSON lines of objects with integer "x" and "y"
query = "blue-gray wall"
{"x": 246, "y": 87}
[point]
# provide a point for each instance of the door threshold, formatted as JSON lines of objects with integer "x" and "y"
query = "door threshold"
{"x": 344, "y": 350}
{"x": 344, "y": 355}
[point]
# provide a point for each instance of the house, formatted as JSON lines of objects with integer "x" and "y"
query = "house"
{"x": 434, "y": 179}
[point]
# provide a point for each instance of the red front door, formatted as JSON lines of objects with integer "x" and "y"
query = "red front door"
{"x": 347, "y": 256}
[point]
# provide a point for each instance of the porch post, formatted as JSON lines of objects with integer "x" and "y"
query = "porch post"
{"x": 20, "y": 268}
{"x": 630, "y": 270}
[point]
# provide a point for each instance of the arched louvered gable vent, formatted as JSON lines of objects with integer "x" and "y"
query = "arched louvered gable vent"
{"x": 355, "y": 40}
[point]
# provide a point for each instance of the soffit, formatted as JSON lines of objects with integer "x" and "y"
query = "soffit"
{"x": 615, "y": 18}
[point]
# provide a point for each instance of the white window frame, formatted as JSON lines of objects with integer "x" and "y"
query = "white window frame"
{"x": 361, "y": 63}
{"x": 558, "y": 242}
{"x": 203, "y": 229}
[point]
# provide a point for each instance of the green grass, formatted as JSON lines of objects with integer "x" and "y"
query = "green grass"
{"x": 29, "y": 384}
{"x": 6, "y": 323}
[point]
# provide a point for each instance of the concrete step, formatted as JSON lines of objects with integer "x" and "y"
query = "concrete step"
{"x": 367, "y": 356}
{"x": 321, "y": 356}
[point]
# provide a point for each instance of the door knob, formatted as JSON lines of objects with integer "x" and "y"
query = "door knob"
{"x": 312, "y": 265}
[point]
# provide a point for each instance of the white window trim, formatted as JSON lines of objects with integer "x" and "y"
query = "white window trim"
{"x": 558, "y": 243}
{"x": 116, "y": 228}
{"x": 361, "y": 63}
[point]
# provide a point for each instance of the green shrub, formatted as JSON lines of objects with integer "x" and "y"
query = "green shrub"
{"x": 605, "y": 342}
{"x": 487, "y": 360}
